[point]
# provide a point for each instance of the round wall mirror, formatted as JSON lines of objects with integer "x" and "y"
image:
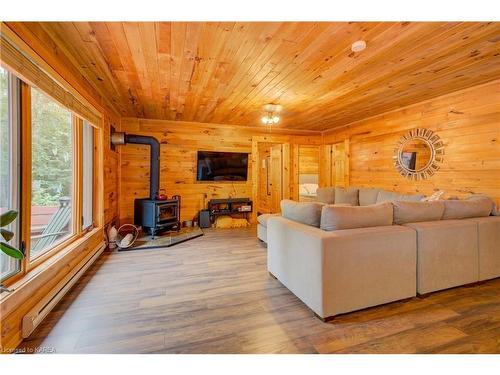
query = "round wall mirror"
{"x": 418, "y": 154}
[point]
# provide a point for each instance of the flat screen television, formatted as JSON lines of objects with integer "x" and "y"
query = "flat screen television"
{"x": 221, "y": 166}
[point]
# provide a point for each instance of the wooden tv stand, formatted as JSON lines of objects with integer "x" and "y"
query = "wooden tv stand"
{"x": 231, "y": 206}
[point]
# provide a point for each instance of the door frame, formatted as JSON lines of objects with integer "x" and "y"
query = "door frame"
{"x": 285, "y": 173}
{"x": 326, "y": 163}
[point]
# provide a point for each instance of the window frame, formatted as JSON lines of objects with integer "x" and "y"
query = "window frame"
{"x": 25, "y": 181}
{"x": 15, "y": 149}
{"x": 75, "y": 200}
{"x": 93, "y": 176}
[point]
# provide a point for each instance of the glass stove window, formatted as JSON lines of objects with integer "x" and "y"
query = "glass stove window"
{"x": 52, "y": 173}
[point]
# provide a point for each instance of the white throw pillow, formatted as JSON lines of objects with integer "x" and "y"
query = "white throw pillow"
{"x": 434, "y": 197}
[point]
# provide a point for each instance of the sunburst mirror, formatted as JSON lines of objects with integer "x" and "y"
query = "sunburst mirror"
{"x": 418, "y": 154}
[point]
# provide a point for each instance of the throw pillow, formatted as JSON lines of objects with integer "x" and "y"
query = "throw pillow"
{"x": 434, "y": 197}
{"x": 308, "y": 213}
{"x": 495, "y": 211}
{"x": 389, "y": 196}
{"x": 349, "y": 196}
{"x": 337, "y": 217}
{"x": 326, "y": 195}
{"x": 462, "y": 209}
{"x": 368, "y": 196}
{"x": 413, "y": 212}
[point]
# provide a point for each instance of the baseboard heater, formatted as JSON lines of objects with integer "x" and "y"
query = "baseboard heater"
{"x": 36, "y": 315}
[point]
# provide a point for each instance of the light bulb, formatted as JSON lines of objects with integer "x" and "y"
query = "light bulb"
{"x": 276, "y": 119}
{"x": 264, "y": 120}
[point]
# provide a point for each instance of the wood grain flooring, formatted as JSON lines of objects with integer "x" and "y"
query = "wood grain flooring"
{"x": 213, "y": 295}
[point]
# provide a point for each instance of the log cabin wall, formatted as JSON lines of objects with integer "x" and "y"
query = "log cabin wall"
{"x": 111, "y": 173}
{"x": 180, "y": 142}
{"x": 309, "y": 159}
{"x": 37, "y": 283}
{"x": 468, "y": 122}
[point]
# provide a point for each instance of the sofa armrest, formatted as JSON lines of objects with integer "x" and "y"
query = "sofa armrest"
{"x": 294, "y": 257}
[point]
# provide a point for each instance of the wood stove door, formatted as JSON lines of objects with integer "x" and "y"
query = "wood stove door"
{"x": 167, "y": 213}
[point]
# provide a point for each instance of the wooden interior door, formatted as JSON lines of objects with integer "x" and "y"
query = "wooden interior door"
{"x": 276, "y": 177}
{"x": 340, "y": 164}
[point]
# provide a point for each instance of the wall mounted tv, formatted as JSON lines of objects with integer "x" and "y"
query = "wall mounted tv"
{"x": 221, "y": 166}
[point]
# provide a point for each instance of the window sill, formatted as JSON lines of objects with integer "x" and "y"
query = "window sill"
{"x": 16, "y": 284}
{"x": 47, "y": 254}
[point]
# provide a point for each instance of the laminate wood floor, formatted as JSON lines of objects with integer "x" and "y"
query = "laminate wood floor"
{"x": 213, "y": 295}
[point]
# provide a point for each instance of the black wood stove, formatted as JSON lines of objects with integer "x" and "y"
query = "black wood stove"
{"x": 155, "y": 215}
{"x": 152, "y": 214}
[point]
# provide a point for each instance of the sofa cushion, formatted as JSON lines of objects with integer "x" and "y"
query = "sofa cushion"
{"x": 447, "y": 254}
{"x": 335, "y": 217}
{"x": 389, "y": 196}
{"x": 462, "y": 209}
{"x": 488, "y": 230}
{"x": 349, "y": 196}
{"x": 308, "y": 213}
{"x": 326, "y": 195}
{"x": 413, "y": 212}
{"x": 495, "y": 211}
{"x": 368, "y": 196}
{"x": 262, "y": 219}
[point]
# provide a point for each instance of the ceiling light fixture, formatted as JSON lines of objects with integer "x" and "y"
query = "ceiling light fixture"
{"x": 358, "y": 46}
{"x": 271, "y": 114}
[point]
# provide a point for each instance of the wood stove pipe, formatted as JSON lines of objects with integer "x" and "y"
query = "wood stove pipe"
{"x": 120, "y": 138}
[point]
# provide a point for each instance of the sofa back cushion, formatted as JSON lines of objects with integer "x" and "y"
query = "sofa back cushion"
{"x": 462, "y": 209}
{"x": 326, "y": 195}
{"x": 389, "y": 196}
{"x": 368, "y": 196}
{"x": 349, "y": 196}
{"x": 308, "y": 213}
{"x": 335, "y": 217}
{"x": 495, "y": 210}
{"x": 413, "y": 212}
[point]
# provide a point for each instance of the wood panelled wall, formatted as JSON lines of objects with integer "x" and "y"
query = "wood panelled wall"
{"x": 111, "y": 172}
{"x": 180, "y": 142}
{"x": 309, "y": 159}
{"x": 38, "y": 282}
{"x": 468, "y": 122}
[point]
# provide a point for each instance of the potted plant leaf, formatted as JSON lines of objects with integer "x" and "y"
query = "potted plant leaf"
{"x": 5, "y": 219}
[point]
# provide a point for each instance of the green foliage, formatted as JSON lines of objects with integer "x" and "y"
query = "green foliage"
{"x": 11, "y": 251}
{"x": 52, "y": 150}
{"x": 5, "y": 219}
{"x": 7, "y": 234}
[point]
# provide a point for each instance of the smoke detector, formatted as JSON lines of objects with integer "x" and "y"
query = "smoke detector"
{"x": 358, "y": 46}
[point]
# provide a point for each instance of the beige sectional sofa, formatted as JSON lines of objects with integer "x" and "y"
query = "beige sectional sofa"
{"x": 345, "y": 270}
{"x": 338, "y": 258}
{"x": 488, "y": 235}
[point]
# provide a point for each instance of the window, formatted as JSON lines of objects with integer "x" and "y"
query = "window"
{"x": 88, "y": 175}
{"x": 9, "y": 163}
{"x": 47, "y": 173}
{"x": 52, "y": 173}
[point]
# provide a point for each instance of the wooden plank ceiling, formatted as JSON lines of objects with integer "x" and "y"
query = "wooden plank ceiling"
{"x": 224, "y": 72}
